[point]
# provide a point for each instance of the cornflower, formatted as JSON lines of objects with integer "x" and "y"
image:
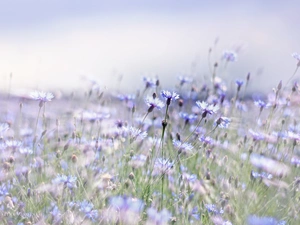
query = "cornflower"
{"x": 151, "y": 82}
{"x": 169, "y": 96}
{"x": 68, "y": 181}
{"x": 42, "y": 96}
{"x": 184, "y": 79}
{"x": 182, "y": 146}
{"x": 154, "y": 103}
{"x": 124, "y": 203}
{"x": 261, "y": 104}
{"x": 229, "y": 56}
{"x": 223, "y": 122}
{"x": 188, "y": 118}
{"x": 161, "y": 217}
{"x": 88, "y": 209}
{"x": 239, "y": 84}
{"x": 207, "y": 109}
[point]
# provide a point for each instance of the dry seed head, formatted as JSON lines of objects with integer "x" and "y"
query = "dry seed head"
{"x": 74, "y": 158}
{"x": 131, "y": 176}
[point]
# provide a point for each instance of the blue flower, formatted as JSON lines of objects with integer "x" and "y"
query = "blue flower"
{"x": 42, "y": 96}
{"x": 184, "y": 80}
{"x": 182, "y": 146}
{"x": 68, "y": 181}
{"x": 296, "y": 56}
{"x": 154, "y": 103}
{"x": 223, "y": 122}
{"x": 169, "y": 96}
{"x": 161, "y": 217}
{"x": 88, "y": 209}
{"x": 207, "y": 109}
{"x": 239, "y": 84}
{"x": 211, "y": 208}
{"x": 151, "y": 82}
{"x": 229, "y": 56}
{"x": 124, "y": 203}
{"x": 189, "y": 118}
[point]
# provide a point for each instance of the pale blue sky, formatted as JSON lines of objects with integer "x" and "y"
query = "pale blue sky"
{"x": 51, "y": 44}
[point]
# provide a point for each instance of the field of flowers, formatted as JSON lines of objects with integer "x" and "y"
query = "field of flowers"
{"x": 200, "y": 153}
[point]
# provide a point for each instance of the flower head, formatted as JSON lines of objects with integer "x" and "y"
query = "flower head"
{"x": 68, "y": 181}
{"x": 182, "y": 146}
{"x": 223, "y": 122}
{"x": 296, "y": 56}
{"x": 169, "y": 96}
{"x": 42, "y": 96}
{"x": 239, "y": 84}
{"x": 229, "y": 56}
{"x": 207, "y": 109}
{"x": 184, "y": 80}
{"x": 154, "y": 103}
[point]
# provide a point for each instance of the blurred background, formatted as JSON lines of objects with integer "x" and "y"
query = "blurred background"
{"x": 53, "y": 45}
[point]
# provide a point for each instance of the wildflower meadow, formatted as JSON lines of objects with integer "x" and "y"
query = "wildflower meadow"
{"x": 203, "y": 151}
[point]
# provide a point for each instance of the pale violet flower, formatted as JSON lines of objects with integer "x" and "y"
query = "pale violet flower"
{"x": 42, "y": 96}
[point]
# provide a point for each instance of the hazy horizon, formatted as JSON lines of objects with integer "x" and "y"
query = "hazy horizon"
{"x": 52, "y": 45}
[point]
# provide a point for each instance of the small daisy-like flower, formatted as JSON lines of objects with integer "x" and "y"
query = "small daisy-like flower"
{"x": 42, "y": 96}
{"x": 229, "y": 56}
{"x": 154, "y": 103}
{"x": 169, "y": 96}
{"x": 223, "y": 122}
{"x": 207, "y": 109}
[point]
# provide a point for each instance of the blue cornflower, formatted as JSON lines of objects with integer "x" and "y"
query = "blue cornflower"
{"x": 207, "y": 109}
{"x": 42, "y": 96}
{"x": 223, "y": 122}
{"x": 161, "y": 217}
{"x": 182, "y": 146}
{"x": 261, "y": 104}
{"x": 154, "y": 103}
{"x": 88, "y": 209}
{"x": 207, "y": 140}
{"x": 256, "y": 136}
{"x": 126, "y": 98}
{"x": 184, "y": 79}
{"x": 296, "y": 56}
{"x": 26, "y": 151}
{"x": 211, "y": 208}
{"x": 68, "y": 181}
{"x": 188, "y": 118}
{"x": 229, "y": 56}
{"x": 239, "y": 84}
{"x": 261, "y": 175}
{"x": 151, "y": 82}
{"x": 134, "y": 133}
{"x": 125, "y": 203}
{"x": 169, "y": 96}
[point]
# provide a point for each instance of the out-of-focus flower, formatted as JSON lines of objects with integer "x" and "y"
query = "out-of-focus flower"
{"x": 269, "y": 165}
{"x": 182, "y": 147}
{"x": 184, "y": 79}
{"x": 169, "y": 96}
{"x": 256, "y": 136}
{"x": 156, "y": 217}
{"x": 256, "y": 220}
{"x": 261, "y": 104}
{"x": 125, "y": 203}
{"x": 239, "y": 84}
{"x": 3, "y": 127}
{"x": 296, "y": 56}
{"x": 211, "y": 208}
{"x": 88, "y": 209}
{"x": 154, "y": 103}
{"x": 206, "y": 108}
{"x": 229, "y": 56}
{"x": 189, "y": 118}
{"x": 42, "y": 96}
{"x": 151, "y": 82}
{"x": 68, "y": 181}
{"x": 222, "y": 122}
